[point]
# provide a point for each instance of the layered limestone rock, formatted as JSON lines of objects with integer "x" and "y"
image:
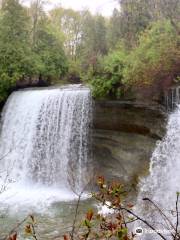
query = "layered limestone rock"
{"x": 124, "y": 136}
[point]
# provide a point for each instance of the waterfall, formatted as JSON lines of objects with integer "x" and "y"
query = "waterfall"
{"x": 45, "y": 138}
{"x": 163, "y": 182}
{"x": 172, "y": 98}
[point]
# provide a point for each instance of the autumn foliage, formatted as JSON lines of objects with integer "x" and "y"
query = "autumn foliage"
{"x": 113, "y": 226}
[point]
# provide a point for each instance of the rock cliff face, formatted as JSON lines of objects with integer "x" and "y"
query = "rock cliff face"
{"x": 124, "y": 136}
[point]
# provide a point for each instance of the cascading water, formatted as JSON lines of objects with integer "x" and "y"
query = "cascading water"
{"x": 45, "y": 140}
{"x": 163, "y": 182}
{"x": 172, "y": 98}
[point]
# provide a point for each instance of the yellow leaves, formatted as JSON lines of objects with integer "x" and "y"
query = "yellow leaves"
{"x": 28, "y": 230}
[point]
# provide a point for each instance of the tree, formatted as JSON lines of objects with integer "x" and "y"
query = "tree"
{"x": 50, "y": 57}
{"x": 107, "y": 82}
{"x": 47, "y": 45}
{"x": 94, "y": 40}
{"x": 69, "y": 22}
{"x": 166, "y": 9}
{"x": 156, "y": 59}
{"x": 36, "y": 13}
{"x": 15, "y": 55}
{"x": 114, "y": 33}
{"x": 135, "y": 17}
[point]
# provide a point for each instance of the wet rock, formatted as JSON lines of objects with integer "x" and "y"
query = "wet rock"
{"x": 124, "y": 136}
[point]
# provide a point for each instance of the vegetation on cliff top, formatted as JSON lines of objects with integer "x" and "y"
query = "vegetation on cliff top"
{"x": 138, "y": 47}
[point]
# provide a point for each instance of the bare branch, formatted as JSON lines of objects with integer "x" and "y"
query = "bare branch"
{"x": 177, "y": 216}
{"x": 160, "y": 211}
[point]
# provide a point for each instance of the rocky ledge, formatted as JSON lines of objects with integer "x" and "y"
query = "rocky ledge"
{"x": 124, "y": 136}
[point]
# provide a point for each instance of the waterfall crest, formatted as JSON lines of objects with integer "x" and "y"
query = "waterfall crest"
{"x": 45, "y": 137}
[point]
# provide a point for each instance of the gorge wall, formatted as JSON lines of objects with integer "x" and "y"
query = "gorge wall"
{"x": 124, "y": 136}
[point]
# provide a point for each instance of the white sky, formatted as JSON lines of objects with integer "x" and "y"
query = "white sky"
{"x": 104, "y": 7}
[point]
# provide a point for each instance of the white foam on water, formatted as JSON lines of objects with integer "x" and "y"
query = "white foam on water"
{"x": 104, "y": 209}
{"x": 20, "y": 197}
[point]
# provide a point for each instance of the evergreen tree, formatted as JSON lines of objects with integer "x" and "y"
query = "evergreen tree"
{"x": 15, "y": 55}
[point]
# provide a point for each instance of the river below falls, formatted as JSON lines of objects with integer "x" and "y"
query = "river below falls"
{"x": 51, "y": 223}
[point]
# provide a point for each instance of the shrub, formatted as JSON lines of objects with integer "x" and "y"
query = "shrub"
{"x": 108, "y": 79}
{"x": 156, "y": 58}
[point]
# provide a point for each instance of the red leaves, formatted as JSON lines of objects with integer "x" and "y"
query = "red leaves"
{"x": 13, "y": 237}
{"x": 113, "y": 196}
{"x": 100, "y": 181}
{"x": 97, "y": 226}
{"x": 116, "y": 201}
{"x": 89, "y": 214}
{"x": 66, "y": 237}
{"x": 112, "y": 226}
{"x": 130, "y": 205}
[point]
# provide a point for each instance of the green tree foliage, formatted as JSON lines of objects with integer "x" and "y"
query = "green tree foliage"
{"x": 70, "y": 23}
{"x": 50, "y": 58}
{"x": 37, "y": 45}
{"x": 85, "y": 38}
{"x": 114, "y": 33}
{"x": 108, "y": 80}
{"x": 154, "y": 62}
{"x": 150, "y": 32}
{"x": 157, "y": 56}
{"x": 47, "y": 45}
{"x": 36, "y": 13}
{"x": 165, "y": 9}
{"x": 15, "y": 57}
{"x": 134, "y": 18}
{"x": 93, "y": 41}
{"x": 136, "y": 15}
{"x": 30, "y": 46}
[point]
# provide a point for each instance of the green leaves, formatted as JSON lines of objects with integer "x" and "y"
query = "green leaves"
{"x": 29, "y": 229}
{"x": 51, "y": 58}
{"x": 108, "y": 80}
{"x": 14, "y": 45}
{"x": 19, "y": 57}
{"x": 122, "y": 233}
{"x": 156, "y": 57}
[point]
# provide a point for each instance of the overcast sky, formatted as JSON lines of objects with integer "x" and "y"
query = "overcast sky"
{"x": 102, "y": 6}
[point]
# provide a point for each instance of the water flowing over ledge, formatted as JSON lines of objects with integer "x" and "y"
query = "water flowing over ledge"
{"x": 172, "y": 98}
{"x": 45, "y": 143}
{"x": 163, "y": 182}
